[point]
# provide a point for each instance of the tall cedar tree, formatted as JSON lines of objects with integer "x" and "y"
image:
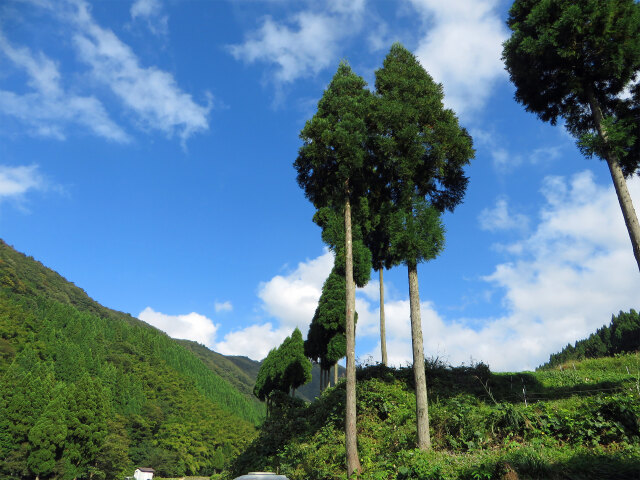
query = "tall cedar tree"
{"x": 331, "y": 167}
{"x": 572, "y": 59}
{"x": 327, "y": 329}
{"x": 420, "y": 155}
{"x": 378, "y": 241}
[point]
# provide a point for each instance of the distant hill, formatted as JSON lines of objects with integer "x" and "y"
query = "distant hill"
{"x": 86, "y": 391}
{"x": 241, "y": 372}
{"x": 620, "y": 336}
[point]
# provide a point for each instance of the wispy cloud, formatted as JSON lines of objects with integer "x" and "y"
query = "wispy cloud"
{"x": 152, "y": 13}
{"x": 16, "y": 181}
{"x": 151, "y": 94}
{"x": 304, "y": 45}
{"x": 223, "y": 307}
{"x": 48, "y": 110}
{"x": 500, "y": 217}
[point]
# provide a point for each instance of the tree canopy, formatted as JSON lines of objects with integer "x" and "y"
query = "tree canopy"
{"x": 573, "y": 60}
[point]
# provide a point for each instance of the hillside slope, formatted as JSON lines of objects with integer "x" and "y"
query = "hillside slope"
{"x": 581, "y": 423}
{"x": 88, "y": 391}
{"x": 241, "y": 372}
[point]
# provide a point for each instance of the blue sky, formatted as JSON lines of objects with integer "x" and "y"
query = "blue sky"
{"x": 146, "y": 152}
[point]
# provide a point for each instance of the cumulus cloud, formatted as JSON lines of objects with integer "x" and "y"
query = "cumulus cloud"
{"x": 48, "y": 110}
{"x": 560, "y": 281}
{"x": 254, "y": 341}
{"x": 191, "y": 326}
{"x": 499, "y": 217}
{"x": 461, "y": 48}
{"x": 293, "y": 298}
{"x": 223, "y": 307}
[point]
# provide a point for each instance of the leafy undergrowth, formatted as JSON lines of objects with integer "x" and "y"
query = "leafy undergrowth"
{"x": 577, "y": 423}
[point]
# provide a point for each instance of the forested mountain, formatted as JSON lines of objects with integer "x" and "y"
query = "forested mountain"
{"x": 620, "y": 336}
{"x": 241, "y": 372}
{"x": 86, "y": 391}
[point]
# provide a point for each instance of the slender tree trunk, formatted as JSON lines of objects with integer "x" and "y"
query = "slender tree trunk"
{"x": 422, "y": 408}
{"x": 619, "y": 182}
{"x": 335, "y": 374}
{"x": 383, "y": 331}
{"x": 353, "y": 462}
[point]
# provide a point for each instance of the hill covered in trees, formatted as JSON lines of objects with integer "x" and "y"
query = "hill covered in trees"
{"x": 86, "y": 391}
{"x": 241, "y": 372}
{"x": 620, "y": 336}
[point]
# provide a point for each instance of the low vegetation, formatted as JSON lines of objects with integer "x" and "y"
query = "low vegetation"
{"x": 569, "y": 423}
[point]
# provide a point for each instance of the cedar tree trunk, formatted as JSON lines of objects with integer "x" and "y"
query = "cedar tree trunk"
{"x": 422, "y": 409}
{"x": 335, "y": 374}
{"x": 383, "y": 332}
{"x": 353, "y": 462}
{"x": 619, "y": 182}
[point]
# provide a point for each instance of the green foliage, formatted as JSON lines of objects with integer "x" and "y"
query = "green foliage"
{"x": 326, "y": 341}
{"x": 88, "y": 392}
{"x": 285, "y": 368}
{"x": 331, "y": 163}
{"x": 561, "y": 52}
{"x": 419, "y": 147}
{"x": 571, "y": 428}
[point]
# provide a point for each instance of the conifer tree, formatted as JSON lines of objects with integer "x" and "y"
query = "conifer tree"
{"x": 327, "y": 329}
{"x": 420, "y": 154}
{"x": 572, "y": 59}
{"x": 331, "y": 167}
{"x": 48, "y": 435}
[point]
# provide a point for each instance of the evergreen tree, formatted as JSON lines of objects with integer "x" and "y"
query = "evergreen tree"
{"x": 420, "y": 154}
{"x": 331, "y": 167}
{"x": 298, "y": 367}
{"x": 48, "y": 435}
{"x": 328, "y": 326}
{"x": 572, "y": 59}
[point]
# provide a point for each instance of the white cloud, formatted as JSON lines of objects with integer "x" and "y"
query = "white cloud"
{"x": 16, "y": 181}
{"x": 462, "y": 48}
{"x": 562, "y": 281}
{"x": 192, "y": 326}
{"x": 254, "y": 341}
{"x": 304, "y": 50}
{"x": 151, "y": 12}
{"x": 223, "y": 307}
{"x": 500, "y": 218}
{"x": 307, "y": 43}
{"x": 48, "y": 109}
{"x": 152, "y": 94}
{"x": 293, "y": 298}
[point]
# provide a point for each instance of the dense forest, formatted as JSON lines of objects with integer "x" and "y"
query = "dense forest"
{"x": 621, "y": 335}
{"x": 87, "y": 392}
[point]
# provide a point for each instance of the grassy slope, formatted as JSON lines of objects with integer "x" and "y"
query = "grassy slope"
{"x": 581, "y": 423}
